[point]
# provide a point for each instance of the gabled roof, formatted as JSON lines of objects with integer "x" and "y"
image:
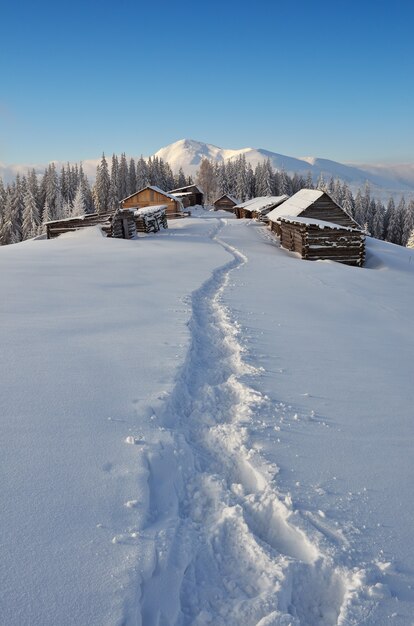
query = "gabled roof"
{"x": 227, "y": 195}
{"x": 296, "y": 204}
{"x": 153, "y": 188}
{"x": 262, "y": 203}
{"x": 186, "y": 188}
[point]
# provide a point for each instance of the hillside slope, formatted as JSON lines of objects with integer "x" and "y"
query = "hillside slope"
{"x": 200, "y": 428}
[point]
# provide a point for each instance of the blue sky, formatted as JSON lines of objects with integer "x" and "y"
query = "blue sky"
{"x": 328, "y": 79}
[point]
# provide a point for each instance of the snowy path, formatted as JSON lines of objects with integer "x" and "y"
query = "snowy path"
{"x": 226, "y": 548}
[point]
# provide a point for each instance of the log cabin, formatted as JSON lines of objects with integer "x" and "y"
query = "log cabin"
{"x": 226, "y": 202}
{"x": 154, "y": 196}
{"x": 191, "y": 195}
{"x": 319, "y": 240}
{"x": 316, "y": 227}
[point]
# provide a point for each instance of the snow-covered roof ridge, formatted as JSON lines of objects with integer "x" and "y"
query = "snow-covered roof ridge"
{"x": 262, "y": 203}
{"x": 186, "y": 187}
{"x": 312, "y": 221}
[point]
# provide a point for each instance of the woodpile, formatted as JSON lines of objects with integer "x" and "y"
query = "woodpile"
{"x": 150, "y": 219}
{"x": 318, "y": 240}
{"x": 123, "y": 224}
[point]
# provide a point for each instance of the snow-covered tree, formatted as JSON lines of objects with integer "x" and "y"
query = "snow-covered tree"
{"x": 31, "y": 216}
{"x": 123, "y": 178}
{"x": 132, "y": 178}
{"x": 410, "y": 242}
{"x": 79, "y": 202}
{"x": 102, "y": 186}
{"x": 408, "y": 222}
{"x": 377, "y": 228}
{"x": 395, "y": 223}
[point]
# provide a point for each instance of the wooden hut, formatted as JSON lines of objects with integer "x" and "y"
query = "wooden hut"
{"x": 192, "y": 195}
{"x": 319, "y": 240}
{"x": 311, "y": 203}
{"x": 154, "y": 196}
{"x": 258, "y": 208}
{"x": 226, "y": 202}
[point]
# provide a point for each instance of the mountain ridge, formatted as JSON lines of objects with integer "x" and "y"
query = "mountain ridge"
{"x": 384, "y": 179}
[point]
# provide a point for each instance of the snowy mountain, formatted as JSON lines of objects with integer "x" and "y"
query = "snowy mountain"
{"x": 384, "y": 179}
{"x": 187, "y": 153}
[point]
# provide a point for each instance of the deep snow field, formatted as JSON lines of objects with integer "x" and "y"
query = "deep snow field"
{"x": 199, "y": 428}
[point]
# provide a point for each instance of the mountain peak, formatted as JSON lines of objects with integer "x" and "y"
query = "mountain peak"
{"x": 188, "y": 153}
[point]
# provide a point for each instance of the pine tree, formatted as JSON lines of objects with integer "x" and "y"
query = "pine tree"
{"x": 132, "y": 178}
{"x": 241, "y": 178}
{"x": 101, "y": 187}
{"x": 377, "y": 228}
{"x": 123, "y": 178}
{"x": 285, "y": 184}
{"x": 31, "y": 216}
{"x": 309, "y": 181}
{"x": 11, "y": 226}
{"x": 114, "y": 188}
{"x": 394, "y": 230}
{"x": 181, "y": 181}
{"x": 320, "y": 183}
{"x": 142, "y": 174}
{"x": 408, "y": 222}
{"x": 79, "y": 202}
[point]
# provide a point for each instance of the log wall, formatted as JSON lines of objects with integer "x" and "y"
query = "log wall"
{"x": 326, "y": 209}
{"x": 314, "y": 243}
{"x": 58, "y": 227}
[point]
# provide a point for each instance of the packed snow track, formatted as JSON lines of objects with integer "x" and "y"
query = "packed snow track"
{"x": 227, "y": 550}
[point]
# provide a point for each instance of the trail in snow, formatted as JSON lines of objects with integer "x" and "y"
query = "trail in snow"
{"x": 226, "y": 550}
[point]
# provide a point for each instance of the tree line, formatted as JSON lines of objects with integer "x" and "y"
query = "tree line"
{"x": 392, "y": 222}
{"x": 29, "y": 201}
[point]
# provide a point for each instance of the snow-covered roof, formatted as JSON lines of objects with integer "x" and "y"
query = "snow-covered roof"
{"x": 181, "y": 194}
{"x": 150, "y": 210}
{"x": 262, "y": 203}
{"x": 66, "y": 219}
{"x": 311, "y": 221}
{"x": 186, "y": 187}
{"x": 296, "y": 204}
{"x": 230, "y": 197}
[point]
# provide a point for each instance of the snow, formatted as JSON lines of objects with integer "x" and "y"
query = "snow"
{"x": 185, "y": 442}
{"x": 383, "y": 180}
{"x": 314, "y": 222}
{"x": 262, "y": 203}
{"x": 67, "y": 219}
{"x": 297, "y": 203}
{"x": 150, "y": 210}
